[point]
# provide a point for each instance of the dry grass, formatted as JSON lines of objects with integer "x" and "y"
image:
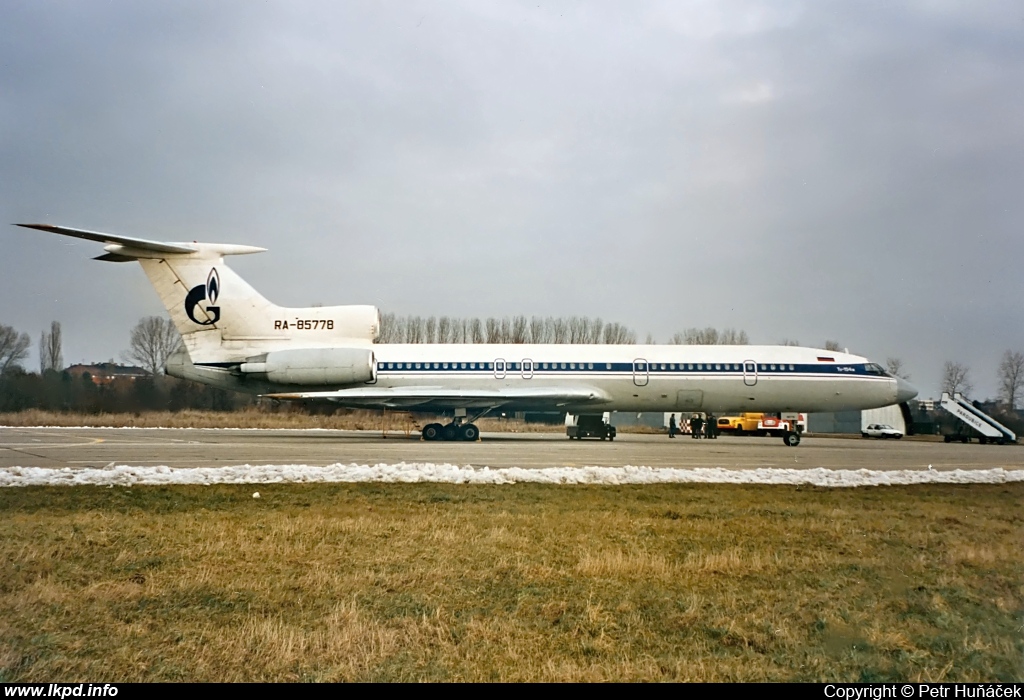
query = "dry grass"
{"x": 513, "y": 583}
{"x": 257, "y": 418}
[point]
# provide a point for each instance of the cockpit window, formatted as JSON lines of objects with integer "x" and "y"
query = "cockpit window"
{"x": 872, "y": 368}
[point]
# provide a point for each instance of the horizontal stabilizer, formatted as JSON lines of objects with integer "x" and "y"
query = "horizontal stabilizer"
{"x": 111, "y": 239}
{"x": 124, "y": 248}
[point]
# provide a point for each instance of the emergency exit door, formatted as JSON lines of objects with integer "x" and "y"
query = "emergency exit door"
{"x": 641, "y": 369}
{"x": 750, "y": 373}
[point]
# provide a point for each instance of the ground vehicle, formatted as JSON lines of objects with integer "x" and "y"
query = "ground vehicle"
{"x": 738, "y": 425}
{"x": 760, "y": 424}
{"x": 882, "y": 431}
{"x": 974, "y": 422}
{"x": 588, "y": 425}
{"x": 773, "y": 427}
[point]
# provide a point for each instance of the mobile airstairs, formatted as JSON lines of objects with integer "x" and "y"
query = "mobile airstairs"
{"x": 989, "y": 428}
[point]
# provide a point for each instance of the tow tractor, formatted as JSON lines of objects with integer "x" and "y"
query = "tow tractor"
{"x": 589, "y": 425}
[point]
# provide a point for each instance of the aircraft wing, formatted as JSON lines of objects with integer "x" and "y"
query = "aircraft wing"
{"x": 425, "y": 397}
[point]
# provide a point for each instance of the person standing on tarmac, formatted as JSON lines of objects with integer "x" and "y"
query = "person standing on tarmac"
{"x": 698, "y": 426}
{"x": 672, "y": 425}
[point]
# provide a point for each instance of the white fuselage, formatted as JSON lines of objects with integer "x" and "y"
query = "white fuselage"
{"x": 647, "y": 377}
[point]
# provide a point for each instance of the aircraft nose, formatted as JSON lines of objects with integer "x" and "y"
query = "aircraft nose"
{"x": 904, "y": 390}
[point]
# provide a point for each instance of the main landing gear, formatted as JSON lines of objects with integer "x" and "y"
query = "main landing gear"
{"x": 791, "y": 439}
{"x": 452, "y": 431}
{"x": 460, "y": 428}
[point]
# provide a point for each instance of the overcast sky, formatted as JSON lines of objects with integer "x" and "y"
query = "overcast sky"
{"x": 799, "y": 170}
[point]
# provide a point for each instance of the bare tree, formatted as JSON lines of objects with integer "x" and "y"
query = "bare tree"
{"x": 537, "y": 330}
{"x": 13, "y": 348}
{"x": 444, "y": 330}
{"x": 476, "y": 331}
{"x": 955, "y": 379}
{"x": 833, "y": 346}
{"x": 894, "y": 366}
{"x": 731, "y": 336}
{"x": 388, "y": 329}
{"x": 414, "y": 332}
{"x": 520, "y": 328}
{"x": 559, "y": 331}
{"x": 700, "y": 336}
{"x": 51, "y": 356}
{"x": 153, "y": 340}
{"x": 461, "y": 331}
{"x": 492, "y": 330}
{"x": 649, "y": 340}
{"x": 789, "y": 343}
{"x": 1011, "y": 377}
{"x": 617, "y": 334}
{"x": 430, "y": 331}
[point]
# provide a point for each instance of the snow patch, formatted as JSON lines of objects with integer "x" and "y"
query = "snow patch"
{"x": 412, "y": 473}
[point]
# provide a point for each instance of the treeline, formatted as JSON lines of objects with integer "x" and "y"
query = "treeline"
{"x": 710, "y": 336}
{"x": 514, "y": 329}
{"x": 61, "y": 391}
{"x": 576, "y": 330}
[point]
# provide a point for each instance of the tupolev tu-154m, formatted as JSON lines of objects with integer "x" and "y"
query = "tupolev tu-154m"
{"x": 233, "y": 338}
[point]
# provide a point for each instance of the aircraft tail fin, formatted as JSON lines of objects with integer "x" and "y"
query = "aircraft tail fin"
{"x": 221, "y": 318}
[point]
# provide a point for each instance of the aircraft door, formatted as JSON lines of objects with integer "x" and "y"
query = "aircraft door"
{"x": 527, "y": 369}
{"x": 750, "y": 373}
{"x": 641, "y": 370}
{"x": 499, "y": 368}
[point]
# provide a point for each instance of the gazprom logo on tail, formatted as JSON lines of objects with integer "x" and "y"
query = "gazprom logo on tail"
{"x": 204, "y": 292}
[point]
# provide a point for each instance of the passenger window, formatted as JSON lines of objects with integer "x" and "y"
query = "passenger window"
{"x": 791, "y": 369}
{"x": 718, "y": 366}
{"x": 773, "y": 367}
{"x": 572, "y": 365}
{"x": 418, "y": 365}
{"x": 590, "y": 365}
{"x": 700, "y": 366}
{"x": 445, "y": 365}
{"x": 563, "y": 365}
{"x": 608, "y": 365}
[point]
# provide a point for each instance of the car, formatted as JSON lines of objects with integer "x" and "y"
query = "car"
{"x": 880, "y": 430}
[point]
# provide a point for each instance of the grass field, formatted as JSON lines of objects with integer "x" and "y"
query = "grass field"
{"x": 511, "y": 583}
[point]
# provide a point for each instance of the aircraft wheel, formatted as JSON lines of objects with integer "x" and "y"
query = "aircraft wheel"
{"x": 947, "y": 438}
{"x": 791, "y": 439}
{"x": 432, "y": 431}
{"x": 449, "y": 432}
{"x": 983, "y": 440}
{"x": 469, "y": 433}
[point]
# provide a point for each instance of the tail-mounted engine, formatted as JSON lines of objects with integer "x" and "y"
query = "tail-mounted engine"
{"x": 314, "y": 366}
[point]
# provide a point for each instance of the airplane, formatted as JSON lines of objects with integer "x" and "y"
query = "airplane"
{"x": 235, "y": 339}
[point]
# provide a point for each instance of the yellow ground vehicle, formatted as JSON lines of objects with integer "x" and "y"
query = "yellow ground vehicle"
{"x": 738, "y": 425}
